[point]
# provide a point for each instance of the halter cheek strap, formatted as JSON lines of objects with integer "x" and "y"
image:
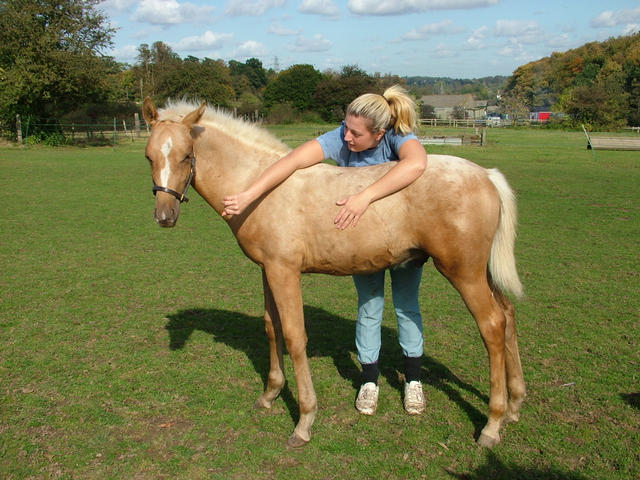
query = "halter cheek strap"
{"x": 181, "y": 197}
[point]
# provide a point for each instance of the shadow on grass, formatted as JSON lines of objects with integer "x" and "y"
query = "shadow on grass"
{"x": 632, "y": 399}
{"x": 329, "y": 336}
{"x": 497, "y": 470}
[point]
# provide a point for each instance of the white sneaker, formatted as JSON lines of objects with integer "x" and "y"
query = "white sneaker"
{"x": 414, "y": 402}
{"x": 367, "y": 401}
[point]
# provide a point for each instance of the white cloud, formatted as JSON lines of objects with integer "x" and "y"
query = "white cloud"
{"x": 444, "y": 51}
{"x": 518, "y": 34}
{"x": 562, "y": 41}
{"x": 207, "y": 41}
{"x": 255, "y": 8}
{"x": 319, "y": 43}
{"x": 426, "y": 31}
{"x": 278, "y": 29}
{"x": 516, "y": 28}
{"x": 153, "y": 31}
{"x": 476, "y": 40}
{"x": 127, "y": 53}
{"x": 631, "y": 29}
{"x": 524, "y": 31}
{"x": 319, "y": 7}
{"x": 170, "y": 12}
{"x": 398, "y": 7}
{"x": 515, "y": 50}
{"x": 609, "y": 18}
{"x": 116, "y": 5}
{"x": 250, "y": 49}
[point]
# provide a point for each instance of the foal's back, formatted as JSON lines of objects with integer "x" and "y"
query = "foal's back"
{"x": 453, "y": 205}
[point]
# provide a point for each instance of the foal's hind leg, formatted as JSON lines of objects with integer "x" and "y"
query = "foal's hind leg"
{"x": 276, "y": 379}
{"x": 515, "y": 378}
{"x": 490, "y": 318}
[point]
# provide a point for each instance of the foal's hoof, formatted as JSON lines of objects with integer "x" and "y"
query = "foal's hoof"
{"x": 261, "y": 404}
{"x": 487, "y": 441}
{"x": 296, "y": 441}
{"x": 511, "y": 417}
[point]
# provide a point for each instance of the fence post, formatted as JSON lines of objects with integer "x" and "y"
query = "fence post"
{"x": 26, "y": 133}
{"x": 19, "y": 128}
{"x": 136, "y": 122}
{"x": 115, "y": 135}
{"x": 124, "y": 124}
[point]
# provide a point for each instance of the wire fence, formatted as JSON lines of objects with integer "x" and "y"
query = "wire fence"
{"x": 74, "y": 133}
{"x": 54, "y": 134}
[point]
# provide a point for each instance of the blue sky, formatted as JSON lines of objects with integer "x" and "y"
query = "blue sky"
{"x": 449, "y": 38}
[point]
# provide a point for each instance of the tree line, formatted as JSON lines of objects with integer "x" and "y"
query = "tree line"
{"x": 597, "y": 84}
{"x": 53, "y": 69}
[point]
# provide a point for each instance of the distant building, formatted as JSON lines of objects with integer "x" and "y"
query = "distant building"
{"x": 542, "y": 116}
{"x": 446, "y": 106}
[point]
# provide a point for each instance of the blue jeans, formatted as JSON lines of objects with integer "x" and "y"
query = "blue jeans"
{"x": 405, "y": 283}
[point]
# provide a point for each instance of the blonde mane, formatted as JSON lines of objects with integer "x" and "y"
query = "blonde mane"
{"x": 249, "y": 133}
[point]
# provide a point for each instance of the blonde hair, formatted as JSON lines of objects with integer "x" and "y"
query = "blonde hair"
{"x": 394, "y": 108}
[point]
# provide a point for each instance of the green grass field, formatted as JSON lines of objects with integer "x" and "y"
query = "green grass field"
{"x": 131, "y": 351}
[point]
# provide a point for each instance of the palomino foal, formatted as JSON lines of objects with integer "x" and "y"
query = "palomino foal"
{"x": 459, "y": 214}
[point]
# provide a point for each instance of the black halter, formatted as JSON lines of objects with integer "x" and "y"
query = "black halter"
{"x": 180, "y": 196}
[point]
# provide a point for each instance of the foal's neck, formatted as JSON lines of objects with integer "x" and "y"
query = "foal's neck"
{"x": 226, "y": 164}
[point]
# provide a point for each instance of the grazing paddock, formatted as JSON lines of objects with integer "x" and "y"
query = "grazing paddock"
{"x": 130, "y": 351}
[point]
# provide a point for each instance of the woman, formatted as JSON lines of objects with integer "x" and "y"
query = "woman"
{"x": 376, "y": 129}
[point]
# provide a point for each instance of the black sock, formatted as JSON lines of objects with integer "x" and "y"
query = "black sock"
{"x": 370, "y": 373}
{"x": 412, "y": 366}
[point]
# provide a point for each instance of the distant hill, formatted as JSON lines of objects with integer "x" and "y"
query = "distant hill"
{"x": 596, "y": 84}
{"x": 486, "y": 88}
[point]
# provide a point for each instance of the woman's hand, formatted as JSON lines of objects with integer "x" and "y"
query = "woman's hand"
{"x": 235, "y": 204}
{"x": 412, "y": 164}
{"x": 354, "y": 207}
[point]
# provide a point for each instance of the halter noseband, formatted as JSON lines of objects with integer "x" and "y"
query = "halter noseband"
{"x": 179, "y": 196}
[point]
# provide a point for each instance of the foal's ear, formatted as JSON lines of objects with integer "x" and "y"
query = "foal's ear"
{"x": 149, "y": 111}
{"x": 195, "y": 116}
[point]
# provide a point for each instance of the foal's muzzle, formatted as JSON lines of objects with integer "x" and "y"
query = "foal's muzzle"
{"x": 168, "y": 215}
{"x": 181, "y": 197}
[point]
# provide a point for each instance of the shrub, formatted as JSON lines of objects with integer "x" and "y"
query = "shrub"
{"x": 55, "y": 139}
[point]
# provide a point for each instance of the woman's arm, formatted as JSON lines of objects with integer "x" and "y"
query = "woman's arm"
{"x": 303, "y": 156}
{"x": 412, "y": 163}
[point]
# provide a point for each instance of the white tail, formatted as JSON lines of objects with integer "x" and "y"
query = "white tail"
{"x": 502, "y": 262}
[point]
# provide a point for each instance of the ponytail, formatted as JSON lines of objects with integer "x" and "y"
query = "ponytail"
{"x": 403, "y": 109}
{"x": 393, "y": 109}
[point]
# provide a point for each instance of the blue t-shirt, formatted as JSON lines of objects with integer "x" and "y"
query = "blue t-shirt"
{"x": 335, "y": 147}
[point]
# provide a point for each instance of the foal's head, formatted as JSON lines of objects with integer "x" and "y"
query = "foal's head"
{"x": 170, "y": 154}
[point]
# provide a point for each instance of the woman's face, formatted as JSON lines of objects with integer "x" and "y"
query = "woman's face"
{"x": 357, "y": 134}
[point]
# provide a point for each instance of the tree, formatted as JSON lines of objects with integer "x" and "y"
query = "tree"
{"x": 584, "y": 105}
{"x": 596, "y": 84}
{"x": 155, "y": 67}
{"x": 632, "y": 87}
{"x": 295, "y": 86}
{"x": 427, "y": 111}
{"x": 251, "y": 71}
{"x": 51, "y": 57}
{"x": 334, "y": 93}
{"x": 163, "y": 75}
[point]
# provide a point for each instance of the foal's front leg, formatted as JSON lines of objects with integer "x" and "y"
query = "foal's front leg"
{"x": 285, "y": 287}
{"x": 276, "y": 379}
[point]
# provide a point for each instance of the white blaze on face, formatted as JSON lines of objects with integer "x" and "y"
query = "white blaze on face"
{"x": 166, "y": 170}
